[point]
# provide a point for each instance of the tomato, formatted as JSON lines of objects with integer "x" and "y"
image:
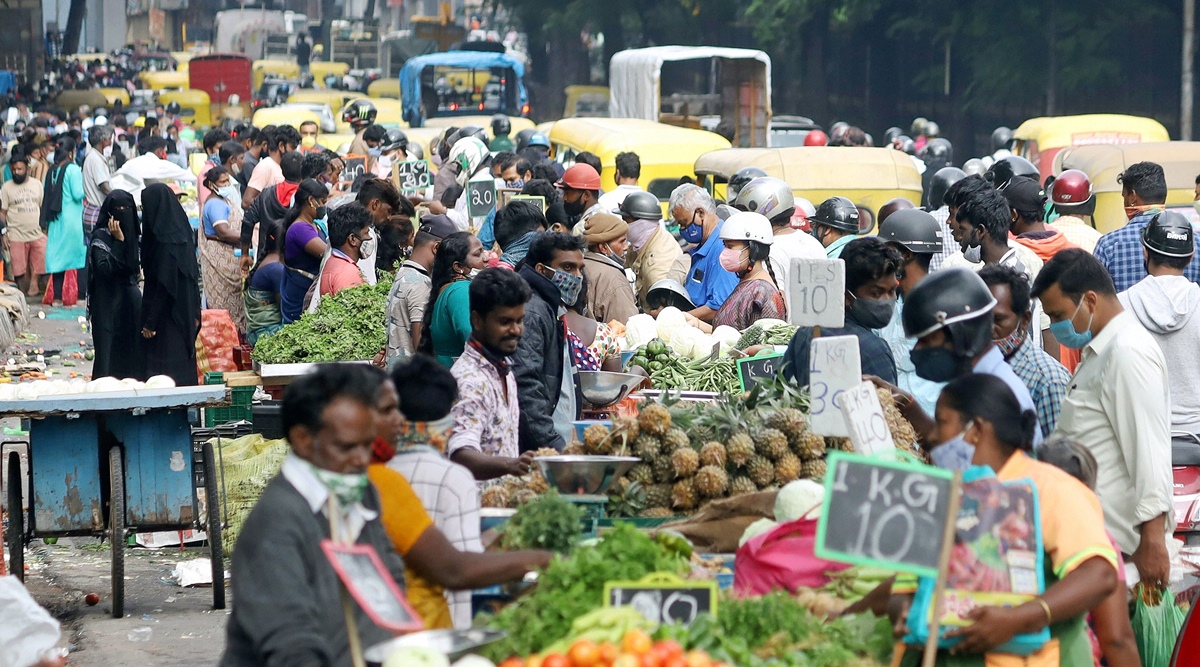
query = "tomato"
{"x": 608, "y": 654}
{"x": 584, "y": 653}
{"x": 636, "y": 642}
{"x": 556, "y": 660}
{"x": 670, "y": 648}
{"x": 651, "y": 659}
{"x": 698, "y": 659}
{"x": 675, "y": 661}
{"x": 513, "y": 662}
{"x": 627, "y": 660}
{"x": 533, "y": 661}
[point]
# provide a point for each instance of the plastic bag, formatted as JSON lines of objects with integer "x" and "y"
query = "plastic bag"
{"x": 28, "y": 631}
{"x": 1156, "y": 626}
{"x": 783, "y": 558}
{"x": 214, "y": 346}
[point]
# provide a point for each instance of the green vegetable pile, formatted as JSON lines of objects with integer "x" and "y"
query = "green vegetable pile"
{"x": 668, "y": 370}
{"x": 574, "y": 586}
{"x": 548, "y": 522}
{"x": 347, "y": 326}
{"x": 777, "y": 631}
{"x": 652, "y": 356}
{"x": 779, "y": 334}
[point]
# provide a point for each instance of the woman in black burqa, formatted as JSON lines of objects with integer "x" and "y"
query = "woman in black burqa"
{"x": 114, "y": 300}
{"x": 171, "y": 295}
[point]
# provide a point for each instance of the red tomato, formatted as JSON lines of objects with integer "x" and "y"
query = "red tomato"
{"x": 556, "y": 660}
{"x": 609, "y": 654}
{"x": 584, "y": 653}
{"x": 636, "y": 642}
{"x": 670, "y": 648}
{"x": 651, "y": 659}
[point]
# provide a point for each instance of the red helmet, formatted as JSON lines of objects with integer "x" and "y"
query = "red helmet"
{"x": 580, "y": 176}
{"x": 816, "y": 138}
{"x": 1070, "y": 188}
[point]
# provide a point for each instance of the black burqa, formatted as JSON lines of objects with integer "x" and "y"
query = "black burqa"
{"x": 171, "y": 296}
{"x": 114, "y": 300}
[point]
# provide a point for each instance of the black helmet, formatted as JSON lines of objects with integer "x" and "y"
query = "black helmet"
{"x": 173, "y": 108}
{"x": 740, "y": 178}
{"x": 641, "y": 206}
{"x": 359, "y": 113}
{"x": 940, "y": 183}
{"x": 1002, "y": 171}
{"x": 938, "y": 150}
{"x": 1001, "y": 138}
{"x": 890, "y": 134}
{"x": 444, "y": 144}
{"x": 394, "y": 139}
{"x": 468, "y": 131}
{"x": 914, "y": 229}
{"x": 956, "y": 299}
{"x": 523, "y": 138}
{"x": 837, "y": 213}
{"x": 501, "y": 125}
{"x": 1170, "y": 234}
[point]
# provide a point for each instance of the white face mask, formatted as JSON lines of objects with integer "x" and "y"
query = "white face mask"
{"x": 367, "y": 247}
{"x": 1196, "y": 205}
{"x": 107, "y": 152}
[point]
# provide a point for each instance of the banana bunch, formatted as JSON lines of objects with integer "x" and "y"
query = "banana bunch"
{"x": 602, "y": 626}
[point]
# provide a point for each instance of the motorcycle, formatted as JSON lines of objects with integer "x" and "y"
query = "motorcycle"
{"x": 1185, "y": 473}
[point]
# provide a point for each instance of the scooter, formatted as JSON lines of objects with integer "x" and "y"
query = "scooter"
{"x": 1185, "y": 471}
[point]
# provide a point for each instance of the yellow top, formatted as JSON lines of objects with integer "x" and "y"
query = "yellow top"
{"x": 1101, "y": 128}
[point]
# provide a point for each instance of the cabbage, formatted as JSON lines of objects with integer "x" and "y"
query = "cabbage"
{"x": 727, "y": 336}
{"x": 160, "y": 382}
{"x": 799, "y": 499}
{"x": 639, "y": 330}
{"x": 689, "y": 342}
{"x": 669, "y": 319}
{"x": 755, "y": 529}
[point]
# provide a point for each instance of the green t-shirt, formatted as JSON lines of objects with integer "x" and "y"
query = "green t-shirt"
{"x": 450, "y": 322}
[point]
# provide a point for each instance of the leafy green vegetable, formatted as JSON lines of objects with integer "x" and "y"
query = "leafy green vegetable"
{"x": 548, "y": 522}
{"x": 574, "y": 586}
{"x": 348, "y": 326}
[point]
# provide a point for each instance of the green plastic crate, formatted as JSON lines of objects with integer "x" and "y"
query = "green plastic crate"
{"x": 214, "y": 377}
{"x": 241, "y": 408}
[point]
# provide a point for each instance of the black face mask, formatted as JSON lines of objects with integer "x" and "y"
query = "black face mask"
{"x": 575, "y": 208}
{"x": 936, "y": 364}
{"x": 19, "y": 178}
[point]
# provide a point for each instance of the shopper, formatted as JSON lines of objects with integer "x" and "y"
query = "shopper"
{"x": 448, "y": 314}
{"x": 171, "y": 294}
{"x": 220, "y": 234}
{"x": 114, "y": 300}
{"x": 62, "y": 216}
{"x": 303, "y": 245}
{"x": 24, "y": 239}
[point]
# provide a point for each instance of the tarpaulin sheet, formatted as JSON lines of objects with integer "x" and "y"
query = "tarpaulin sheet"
{"x": 634, "y": 75}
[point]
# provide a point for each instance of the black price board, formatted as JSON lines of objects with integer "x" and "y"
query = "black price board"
{"x": 372, "y": 586}
{"x": 884, "y": 513}
{"x": 761, "y": 367}
{"x": 481, "y": 197}
{"x": 412, "y": 175}
{"x": 354, "y": 167}
{"x": 664, "y": 598}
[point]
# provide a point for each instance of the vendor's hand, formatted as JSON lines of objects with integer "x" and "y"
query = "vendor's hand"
{"x": 993, "y": 626}
{"x": 897, "y": 611}
{"x": 521, "y": 465}
{"x": 753, "y": 350}
{"x": 1152, "y": 563}
{"x": 4, "y": 244}
{"x": 114, "y": 228}
{"x": 246, "y": 263}
{"x": 146, "y": 333}
{"x": 380, "y": 358}
{"x": 902, "y": 398}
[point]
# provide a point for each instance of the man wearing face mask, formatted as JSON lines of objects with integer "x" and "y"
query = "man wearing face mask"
{"x": 835, "y": 224}
{"x": 609, "y": 296}
{"x": 349, "y": 230}
{"x": 1144, "y": 189}
{"x": 1118, "y": 405}
{"x": 580, "y": 185}
{"x": 96, "y": 176}
{"x": 545, "y": 375}
{"x": 653, "y": 254}
{"x": 405, "y": 310}
{"x": 708, "y": 283}
{"x": 271, "y": 207}
{"x": 950, "y": 315}
{"x": 871, "y": 267}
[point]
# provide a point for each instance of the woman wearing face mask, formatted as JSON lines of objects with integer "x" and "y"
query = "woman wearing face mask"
{"x": 114, "y": 300}
{"x": 609, "y": 294}
{"x": 981, "y": 414}
{"x": 62, "y": 218}
{"x": 748, "y": 238}
{"x": 218, "y": 240}
{"x": 448, "y": 315}
{"x": 302, "y": 245}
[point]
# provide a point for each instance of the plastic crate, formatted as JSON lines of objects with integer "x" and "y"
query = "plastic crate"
{"x": 268, "y": 419}
{"x": 240, "y": 409}
{"x": 214, "y": 377}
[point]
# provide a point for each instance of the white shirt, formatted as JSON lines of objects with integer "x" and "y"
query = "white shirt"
{"x": 138, "y": 172}
{"x": 612, "y": 200}
{"x": 299, "y": 474}
{"x": 1119, "y": 407}
{"x": 787, "y": 247}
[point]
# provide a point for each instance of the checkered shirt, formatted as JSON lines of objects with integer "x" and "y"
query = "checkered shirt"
{"x": 949, "y": 245}
{"x": 1046, "y": 379}
{"x": 1120, "y": 252}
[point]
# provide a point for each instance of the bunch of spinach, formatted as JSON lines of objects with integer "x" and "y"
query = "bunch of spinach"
{"x": 348, "y": 326}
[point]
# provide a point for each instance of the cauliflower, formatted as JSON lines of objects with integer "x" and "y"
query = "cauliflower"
{"x": 689, "y": 342}
{"x": 799, "y": 499}
{"x": 755, "y": 529}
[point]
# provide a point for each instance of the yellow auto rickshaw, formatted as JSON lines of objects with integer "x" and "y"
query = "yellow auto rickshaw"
{"x": 285, "y": 115}
{"x": 1039, "y": 139}
{"x": 667, "y": 152}
{"x": 869, "y": 177}
{"x": 195, "y": 106}
{"x": 114, "y": 95}
{"x": 335, "y": 99}
{"x": 319, "y": 69}
{"x": 385, "y": 88}
{"x": 584, "y": 101}
{"x": 1180, "y": 161}
{"x": 164, "y": 80}
{"x": 278, "y": 69}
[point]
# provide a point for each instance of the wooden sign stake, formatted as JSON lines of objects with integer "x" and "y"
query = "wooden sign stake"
{"x": 935, "y": 623}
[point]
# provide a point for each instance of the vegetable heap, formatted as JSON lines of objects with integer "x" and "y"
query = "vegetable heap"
{"x": 669, "y": 370}
{"x": 548, "y": 522}
{"x": 347, "y": 326}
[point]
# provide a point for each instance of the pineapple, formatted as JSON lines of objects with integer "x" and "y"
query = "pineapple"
{"x": 711, "y": 481}
{"x": 812, "y": 446}
{"x": 626, "y": 427}
{"x": 771, "y": 443}
{"x": 761, "y": 471}
{"x": 647, "y": 447}
{"x": 683, "y": 494}
{"x": 839, "y": 444}
{"x": 740, "y": 448}
{"x": 642, "y": 473}
{"x": 787, "y": 468}
{"x": 658, "y": 495}
{"x": 656, "y": 513}
{"x": 741, "y": 485}
{"x": 545, "y": 451}
{"x": 903, "y": 434}
{"x": 663, "y": 470}
{"x": 596, "y": 440}
{"x": 685, "y": 462}
{"x": 702, "y": 433}
{"x": 814, "y": 469}
{"x": 537, "y": 482}
{"x": 574, "y": 449}
{"x": 654, "y": 419}
{"x": 676, "y": 439}
{"x": 789, "y": 421}
{"x": 713, "y": 454}
{"x": 494, "y": 496}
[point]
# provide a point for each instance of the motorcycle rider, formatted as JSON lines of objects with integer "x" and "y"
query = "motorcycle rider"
{"x": 1073, "y": 199}
{"x": 360, "y": 114}
{"x": 501, "y": 127}
{"x": 835, "y": 224}
{"x": 773, "y": 198}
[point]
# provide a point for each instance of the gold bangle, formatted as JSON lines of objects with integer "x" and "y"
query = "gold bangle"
{"x": 1046, "y": 607}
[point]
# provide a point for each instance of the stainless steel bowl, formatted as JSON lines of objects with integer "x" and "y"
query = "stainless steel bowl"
{"x": 588, "y": 475}
{"x": 453, "y": 643}
{"x": 603, "y": 388}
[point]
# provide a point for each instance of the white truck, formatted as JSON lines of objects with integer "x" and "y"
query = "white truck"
{"x": 247, "y": 31}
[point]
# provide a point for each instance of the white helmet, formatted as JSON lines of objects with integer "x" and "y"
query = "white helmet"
{"x": 747, "y": 226}
{"x": 806, "y": 207}
{"x": 469, "y": 153}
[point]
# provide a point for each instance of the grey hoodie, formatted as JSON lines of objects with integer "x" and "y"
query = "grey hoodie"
{"x": 1167, "y": 306}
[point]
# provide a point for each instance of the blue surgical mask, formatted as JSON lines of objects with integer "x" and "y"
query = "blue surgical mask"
{"x": 230, "y": 192}
{"x": 956, "y": 453}
{"x": 375, "y": 152}
{"x": 692, "y": 232}
{"x": 1066, "y": 334}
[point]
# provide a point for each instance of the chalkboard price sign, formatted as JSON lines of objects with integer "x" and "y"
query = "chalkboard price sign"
{"x": 481, "y": 197}
{"x": 884, "y": 513}
{"x": 816, "y": 293}
{"x": 412, "y": 175}
{"x": 664, "y": 598}
{"x": 354, "y": 167}
{"x": 762, "y": 367}
{"x": 372, "y": 586}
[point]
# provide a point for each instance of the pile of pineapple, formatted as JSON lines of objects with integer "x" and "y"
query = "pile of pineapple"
{"x": 511, "y": 491}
